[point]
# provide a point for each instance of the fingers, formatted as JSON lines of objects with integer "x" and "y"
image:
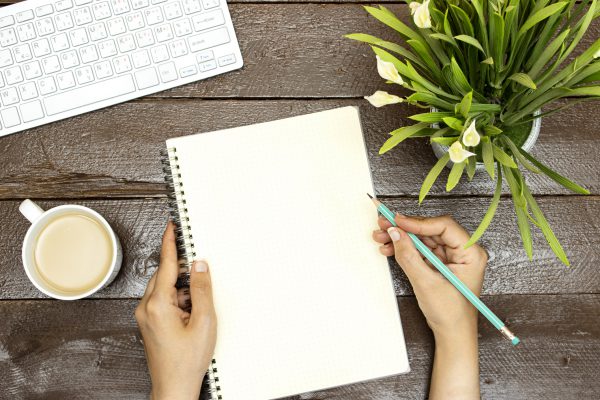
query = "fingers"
{"x": 166, "y": 276}
{"x": 450, "y": 232}
{"x": 203, "y": 310}
{"x": 383, "y": 223}
{"x": 408, "y": 257}
{"x": 183, "y": 298}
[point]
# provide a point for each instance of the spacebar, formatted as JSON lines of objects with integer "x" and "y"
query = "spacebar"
{"x": 90, "y": 94}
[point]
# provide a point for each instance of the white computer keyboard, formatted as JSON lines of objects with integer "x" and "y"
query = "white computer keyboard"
{"x": 63, "y": 58}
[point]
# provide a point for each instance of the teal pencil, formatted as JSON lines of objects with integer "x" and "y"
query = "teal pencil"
{"x": 444, "y": 270}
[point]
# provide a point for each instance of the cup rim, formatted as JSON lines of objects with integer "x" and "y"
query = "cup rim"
{"x": 113, "y": 263}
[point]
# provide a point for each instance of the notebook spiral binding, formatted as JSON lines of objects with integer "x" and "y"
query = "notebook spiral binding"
{"x": 185, "y": 241}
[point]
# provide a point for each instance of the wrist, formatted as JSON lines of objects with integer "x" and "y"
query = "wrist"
{"x": 461, "y": 332}
{"x": 174, "y": 394}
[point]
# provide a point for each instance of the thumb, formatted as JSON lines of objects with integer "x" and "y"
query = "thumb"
{"x": 408, "y": 257}
{"x": 203, "y": 309}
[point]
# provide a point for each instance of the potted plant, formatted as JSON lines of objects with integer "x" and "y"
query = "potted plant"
{"x": 482, "y": 70}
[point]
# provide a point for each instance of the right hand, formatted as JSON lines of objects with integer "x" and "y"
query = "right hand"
{"x": 445, "y": 308}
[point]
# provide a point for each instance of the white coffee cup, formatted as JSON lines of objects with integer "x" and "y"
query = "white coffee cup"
{"x": 39, "y": 220}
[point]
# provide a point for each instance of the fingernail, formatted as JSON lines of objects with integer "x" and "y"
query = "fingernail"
{"x": 394, "y": 234}
{"x": 200, "y": 266}
{"x": 400, "y": 215}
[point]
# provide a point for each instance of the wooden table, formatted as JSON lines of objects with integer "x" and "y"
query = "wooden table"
{"x": 296, "y": 62}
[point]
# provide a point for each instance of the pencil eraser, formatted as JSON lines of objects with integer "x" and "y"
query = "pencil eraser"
{"x": 515, "y": 341}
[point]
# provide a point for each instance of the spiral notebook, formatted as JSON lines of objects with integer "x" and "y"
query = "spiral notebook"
{"x": 304, "y": 299}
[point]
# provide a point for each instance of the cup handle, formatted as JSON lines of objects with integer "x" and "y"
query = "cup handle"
{"x": 30, "y": 210}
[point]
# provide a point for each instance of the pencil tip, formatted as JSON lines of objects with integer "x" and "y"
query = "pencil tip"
{"x": 369, "y": 196}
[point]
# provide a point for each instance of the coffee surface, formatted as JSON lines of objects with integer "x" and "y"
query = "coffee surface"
{"x": 73, "y": 253}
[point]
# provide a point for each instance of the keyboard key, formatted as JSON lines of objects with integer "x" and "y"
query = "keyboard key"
{"x": 59, "y": 42}
{"x": 84, "y": 75}
{"x": 207, "y": 65}
{"x": 69, "y": 59}
{"x": 51, "y": 64}
{"x": 103, "y": 69}
{"x": 32, "y": 111}
{"x": 210, "y": 3}
{"x": 120, "y": 6}
{"x": 5, "y": 58}
{"x": 173, "y": 10}
{"x": 122, "y": 64}
{"x": 227, "y": 60}
{"x": 191, "y": 6}
{"x": 178, "y": 48}
{"x": 6, "y": 21}
{"x": 78, "y": 37}
{"x": 63, "y": 21}
{"x": 167, "y": 72}
{"x": 153, "y": 16}
{"x": 146, "y": 78}
{"x": 158, "y": 1}
{"x": 134, "y": 21}
{"x": 82, "y": 2}
{"x": 107, "y": 48}
{"x": 163, "y": 33}
{"x": 44, "y": 26}
{"x": 25, "y": 15}
{"x": 65, "y": 80}
{"x": 101, "y": 10}
{"x": 208, "y": 20}
{"x": 1, "y": 80}
{"x": 125, "y": 43}
{"x": 144, "y": 38}
{"x": 9, "y": 96}
{"x": 28, "y": 91}
{"x": 32, "y": 70}
{"x": 209, "y": 39}
{"x": 187, "y": 71}
{"x": 182, "y": 27}
{"x": 90, "y": 94}
{"x": 204, "y": 56}
{"x": 10, "y": 117}
{"x": 47, "y": 85}
{"x": 97, "y": 32}
{"x": 46, "y": 9}
{"x": 116, "y": 26}
{"x": 13, "y": 75}
{"x": 137, "y": 4}
{"x": 88, "y": 54}
{"x": 82, "y": 15}
{"x": 22, "y": 53}
{"x": 25, "y": 32}
{"x": 159, "y": 53}
{"x": 63, "y": 5}
{"x": 140, "y": 59}
{"x": 41, "y": 47}
{"x": 7, "y": 37}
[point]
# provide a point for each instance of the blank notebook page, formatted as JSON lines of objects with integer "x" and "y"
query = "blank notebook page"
{"x": 303, "y": 297}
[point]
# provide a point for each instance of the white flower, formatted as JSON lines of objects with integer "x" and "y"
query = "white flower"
{"x": 471, "y": 137}
{"x": 388, "y": 71}
{"x": 597, "y": 54}
{"x": 381, "y": 98}
{"x": 458, "y": 154}
{"x": 420, "y": 13}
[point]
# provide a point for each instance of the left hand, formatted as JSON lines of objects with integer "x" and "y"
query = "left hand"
{"x": 179, "y": 345}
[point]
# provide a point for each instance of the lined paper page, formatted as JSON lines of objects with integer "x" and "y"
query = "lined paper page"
{"x": 303, "y": 297}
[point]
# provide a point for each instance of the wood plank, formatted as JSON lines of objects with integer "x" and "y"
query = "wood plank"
{"x": 109, "y": 153}
{"x": 140, "y": 223}
{"x": 91, "y": 350}
{"x": 298, "y": 50}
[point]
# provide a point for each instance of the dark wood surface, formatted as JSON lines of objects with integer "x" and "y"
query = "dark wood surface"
{"x": 296, "y": 62}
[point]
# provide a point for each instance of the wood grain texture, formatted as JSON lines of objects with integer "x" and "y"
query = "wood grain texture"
{"x": 298, "y": 50}
{"x": 114, "y": 152}
{"x": 140, "y": 223}
{"x": 91, "y": 350}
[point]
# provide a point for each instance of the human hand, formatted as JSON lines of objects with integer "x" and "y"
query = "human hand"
{"x": 447, "y": 311}
{"x": 179, "y": 345}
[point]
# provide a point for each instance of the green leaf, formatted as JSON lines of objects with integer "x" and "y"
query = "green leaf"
{"x": 401, "y": 134}
{"x": 520, "y": 205}
{"x": 593, "y": 91}
{"x": 444, "y": 140}
{"x": 459, "y": 77}
{"x": 471, "y": 165}
{"x": 584, "y": 24}
{"x": 396, "y": 48}
{"x": 492, "y": 130}
{"x": 487, "y": 153}
{"x": 489, "y": 214}
{"x": 502, "y": 157}
{"x": 470, "y": 40}
{"x": 444, "y": 37}
{"x": 454, "y": 123}
{"x": 489, "y": 61}
{"x": 497, "y": 39}
{"x": 465, "y": 105}
{"x": 515, "y": 151}
{"x": 547, "y": 54}
{"x": 432, "y": 176}
{"x": 555, "y": 176}
{"x": 387, "y": 17}
{"x": 523, "y": 79}
{"x": 430, "y": 100}
{"x": 454, "y": 176}
{"x": 541, "y": 15}
{"x": 422, "y": 51}
{"x": 431, "y": 117}
{"x": 545, "y": 227}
